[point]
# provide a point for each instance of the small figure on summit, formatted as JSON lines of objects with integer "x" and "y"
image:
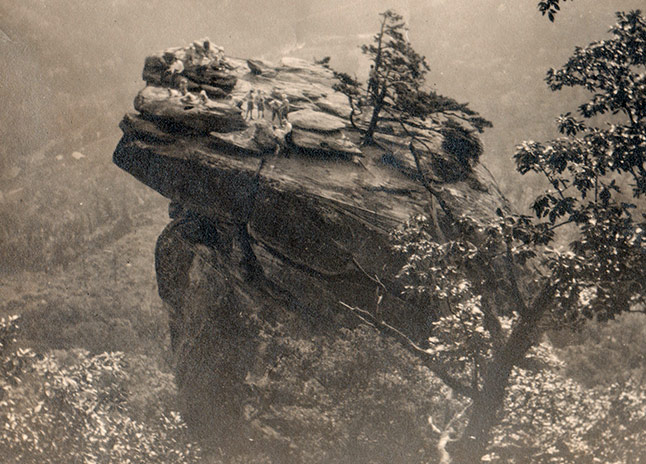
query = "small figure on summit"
{"x": 250, "y": 104}
{"x": 260, "y": 104}
{"x": 177, "y": 67}
{"x": 187, "y": 97}
{"x": 174, "y": 71}
{"x": 281, "y": 138}
{"x": 275, "y": 110}
{"x": 283, "y": 109}
{"x": 183, "y": 86}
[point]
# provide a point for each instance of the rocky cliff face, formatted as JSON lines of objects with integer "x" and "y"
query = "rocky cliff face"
{"x": 272, "y": 227}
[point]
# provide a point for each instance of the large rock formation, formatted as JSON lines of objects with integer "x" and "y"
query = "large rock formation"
{"x": 272, "y": 228}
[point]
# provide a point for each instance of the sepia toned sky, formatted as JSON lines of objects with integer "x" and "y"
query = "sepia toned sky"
{"x": 491, "y": 53}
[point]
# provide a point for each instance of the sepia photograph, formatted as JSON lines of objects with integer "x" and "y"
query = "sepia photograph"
{"x": 333, "y": 232}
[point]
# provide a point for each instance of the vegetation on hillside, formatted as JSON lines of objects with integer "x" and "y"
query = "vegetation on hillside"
{"x": 84, "y": 370}
{"x": 46, "y": 224}
{"x": 73, "y": 406}
{"x": 490, "y": 316}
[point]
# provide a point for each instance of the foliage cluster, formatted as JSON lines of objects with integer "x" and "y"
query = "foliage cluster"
{"x": 395, "y": 95}
{"x": 551, "y": 418}
{"x": 589, "y": 172}
{"x": 45, "y": 223}
{"x": 553, "y": 411}
{"x": 74, "y": 407}
{"x": 354, "y": 399}
{"x": 358, "y": 400}
{"x": 549, "y": 8}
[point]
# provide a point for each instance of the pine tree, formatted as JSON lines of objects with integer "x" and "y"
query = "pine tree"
{"x": 395, "y": 89}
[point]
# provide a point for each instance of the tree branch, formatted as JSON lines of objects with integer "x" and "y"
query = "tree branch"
{"x": 491, "y": 320}
{"x": 352, "y": 111}
{"x": 511, "y": 275}
{"x": 445, "y": 435}
{"x": 425, "y": 355}
{"x": 427, "y": 184}
{"x": 560, "y": 224}
{"x": 551, "y": 181}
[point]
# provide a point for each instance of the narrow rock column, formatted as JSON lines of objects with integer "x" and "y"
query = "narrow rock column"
{"x": 214, "y": 336}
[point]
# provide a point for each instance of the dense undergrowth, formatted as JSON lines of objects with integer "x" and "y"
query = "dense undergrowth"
{"x": 84, "y": 372}
{"x": 66, "y": 204}
{"x": 357, "y": 398}
{"x": 74, "y": 406}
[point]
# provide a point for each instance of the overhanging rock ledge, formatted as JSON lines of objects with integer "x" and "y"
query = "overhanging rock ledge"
{"x": 272, "y": 227}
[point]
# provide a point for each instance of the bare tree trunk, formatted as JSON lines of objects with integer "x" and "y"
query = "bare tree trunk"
{"x": 367, "y": 138}
{"x": 483, "y": 416}
{"x": 488, "y": 402}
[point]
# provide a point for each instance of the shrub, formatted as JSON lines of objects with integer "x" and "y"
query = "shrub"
{"x": 70, "y": 406}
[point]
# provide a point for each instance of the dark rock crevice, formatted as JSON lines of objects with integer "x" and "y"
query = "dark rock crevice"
{"x": 249, "y": 262}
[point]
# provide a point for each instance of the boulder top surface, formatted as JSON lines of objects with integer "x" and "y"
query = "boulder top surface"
{"x": 191, "y": 142}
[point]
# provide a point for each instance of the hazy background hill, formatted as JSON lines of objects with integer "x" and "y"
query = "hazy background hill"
{"x": 70, "y": 69}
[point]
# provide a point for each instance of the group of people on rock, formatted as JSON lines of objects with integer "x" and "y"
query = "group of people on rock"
{"x": 203, "y": 53}
{"x": 200, "y": 55}
{"x": 259, "y": 101}
{"x": 187, "y": 96}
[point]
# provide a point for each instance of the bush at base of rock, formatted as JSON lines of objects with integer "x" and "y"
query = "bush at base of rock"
{"x": 70, "y": 406}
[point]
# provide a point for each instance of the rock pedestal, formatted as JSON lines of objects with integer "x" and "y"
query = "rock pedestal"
{"x": 267, "y": 238}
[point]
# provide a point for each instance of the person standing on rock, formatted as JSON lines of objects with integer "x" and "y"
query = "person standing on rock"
{"x": 283, "y": 109}
{"x": 250, "y": 105}
{"x": 204, "y": 98}
{"x": 275, "y": 110}
{"x": 187, "y": 97}
{"x": 260, "y": 103}
{"x": 281, "y": 139}
{"x": 182, "y": 83}
{"x": 175, "y": 70}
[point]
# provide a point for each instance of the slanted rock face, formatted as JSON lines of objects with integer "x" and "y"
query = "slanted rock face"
{"x": 272, "y": 228}
{"x": 312, "y": 120}
{"x": 175, "y": 111}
